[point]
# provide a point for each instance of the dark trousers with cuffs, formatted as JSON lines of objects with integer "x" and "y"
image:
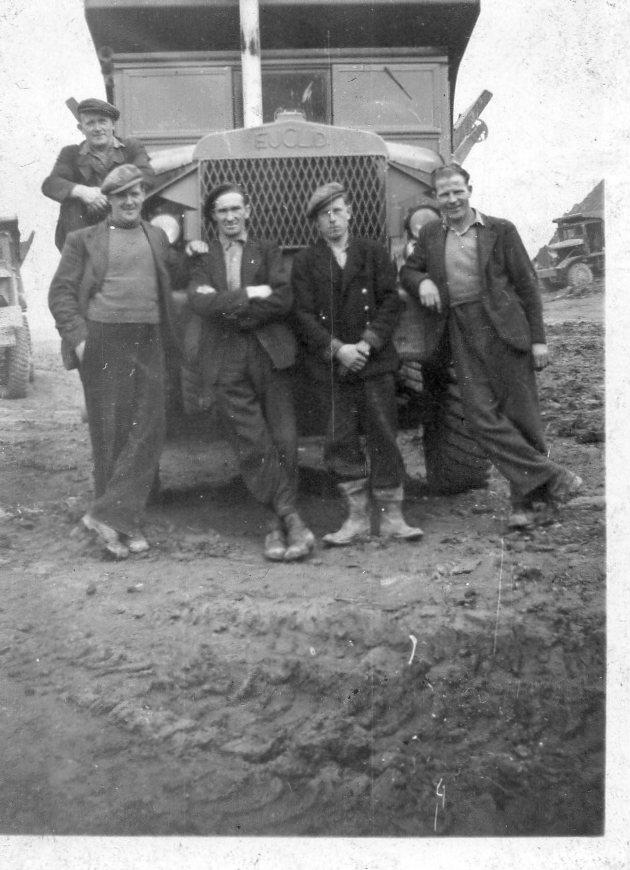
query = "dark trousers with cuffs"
{"x": 500, "y": 399}
{"x": 255, "y": 405}
{"x": 122, "y": 372}
{"x": 361, "y": 437}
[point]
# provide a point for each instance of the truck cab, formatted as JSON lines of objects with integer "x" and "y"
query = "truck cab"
{"x": 173, "y": 69}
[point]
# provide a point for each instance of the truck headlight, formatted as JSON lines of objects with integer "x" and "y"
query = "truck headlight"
{"x": 169, "y": 224}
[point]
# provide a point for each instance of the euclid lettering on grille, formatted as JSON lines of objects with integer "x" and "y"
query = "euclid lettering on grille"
{"x": 290, "y": 137}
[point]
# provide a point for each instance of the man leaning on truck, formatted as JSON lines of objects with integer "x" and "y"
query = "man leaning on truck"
{"x": 474, "y": 279}
{"x": 240, "y": 290}
{"x": 79, "y": 171}
{"x": 346, "y": 308}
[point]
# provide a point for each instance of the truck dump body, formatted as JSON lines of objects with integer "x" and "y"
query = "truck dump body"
{"x": 130, "y": 26}
{"x": 173, "y": 68}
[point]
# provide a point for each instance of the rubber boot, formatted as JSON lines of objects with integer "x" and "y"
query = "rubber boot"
{"x": 300, "y": 539}
{"x": 393, "y": 523}
{"x": 357, "y": 525}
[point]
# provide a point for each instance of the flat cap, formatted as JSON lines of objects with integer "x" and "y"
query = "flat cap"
{"x": 324, "y": 195}
{"x": 122, "y": 177}
{"x": 99, "y": 107}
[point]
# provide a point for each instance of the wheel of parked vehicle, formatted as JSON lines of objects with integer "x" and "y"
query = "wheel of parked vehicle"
{"x": 579, "y": 275}
{"x": 14, "y": 373}
{"x": 454, "y": 461}
{"x": 31, "y": 363}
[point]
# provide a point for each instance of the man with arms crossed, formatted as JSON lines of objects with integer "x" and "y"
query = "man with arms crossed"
{"x": 474, "y": 278}
{"x": 241, "y": 292}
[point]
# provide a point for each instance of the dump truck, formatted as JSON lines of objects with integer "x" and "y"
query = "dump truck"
{"x": 576, "y": 254}
{"x": 357, "y": 93}
{"x": 16, "y": 359}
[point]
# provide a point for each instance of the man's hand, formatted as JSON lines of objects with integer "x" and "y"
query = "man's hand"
{"x": 351, "y": 357}
{"x": 91, "y": 196}
{"x": 430, "y": 295}
{"x": 205, "y": 290}
{"x": 540, "y": 355}
{"x": 258, "y": 291}
{"x": 80, "y": 350}
{"x": 196, "y": 246}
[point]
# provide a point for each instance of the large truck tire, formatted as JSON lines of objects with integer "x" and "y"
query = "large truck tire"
{"x": 454, "y": 461}
{"x": 579, "y": 275}
{"x": 31, "y": 360}
{"x": 14, "y": 372}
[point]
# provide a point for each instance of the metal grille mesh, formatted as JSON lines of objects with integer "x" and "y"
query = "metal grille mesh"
{"x": 280, "y": 187}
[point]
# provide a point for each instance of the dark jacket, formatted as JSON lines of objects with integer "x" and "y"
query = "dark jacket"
{"x": 72, "y": 167}
{"x": 510, "y": 293}
{"x": 365, "y": 306}
{"x": 230, "y": 312}
{"x": 80, "y": 275}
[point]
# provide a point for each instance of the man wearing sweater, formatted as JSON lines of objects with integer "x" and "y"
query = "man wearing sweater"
{"x": 476, "y": 283}
{"x": 111, "y": 301}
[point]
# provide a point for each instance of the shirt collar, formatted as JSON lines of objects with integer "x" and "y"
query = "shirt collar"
{"x": 476, "y": 221}
{"x": 84, "y": 148}
{"x": 332, "y": 247}
{"x": 227, "y": 243}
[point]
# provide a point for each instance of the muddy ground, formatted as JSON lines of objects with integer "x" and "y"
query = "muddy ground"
{"x": 200, "y": 690}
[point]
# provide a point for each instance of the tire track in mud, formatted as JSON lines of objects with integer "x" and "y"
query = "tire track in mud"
{"x": 312, "y": 706}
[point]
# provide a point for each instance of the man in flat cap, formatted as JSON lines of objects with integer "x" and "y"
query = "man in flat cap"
{"x": 346, "y": 308}
{"x": 111, "y": 301}
{"x": 79, "y": 170}
{"x": 240, "y": 291}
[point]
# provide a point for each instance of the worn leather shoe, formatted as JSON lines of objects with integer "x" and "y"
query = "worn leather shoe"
{"x": 300, "y": 539}
{"x": 106, "y": 535}
{"x": 275, "y": 546}
{"x": 137, "y": 543}
{"x": 520, "y": 519}
{"x": 564, "y": 487}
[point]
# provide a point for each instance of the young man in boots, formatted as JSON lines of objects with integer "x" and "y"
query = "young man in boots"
{"x": 346, "y": 308}
{"x": 240, "y": 290}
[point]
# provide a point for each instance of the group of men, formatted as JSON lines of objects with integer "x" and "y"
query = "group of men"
{"x": 338, "y": 307}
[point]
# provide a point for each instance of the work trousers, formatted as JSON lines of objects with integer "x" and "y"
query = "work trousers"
{"x": 255, "y": 405}
{"x": 361, "y": 437}
{"x": 122, "y": 372}
{"x": 500, "y": 399}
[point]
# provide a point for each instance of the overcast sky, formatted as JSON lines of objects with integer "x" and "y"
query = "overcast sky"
{"x": 550, "y": 64}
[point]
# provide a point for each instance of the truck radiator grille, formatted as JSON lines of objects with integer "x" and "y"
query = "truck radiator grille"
{"x": 280, "y": 187}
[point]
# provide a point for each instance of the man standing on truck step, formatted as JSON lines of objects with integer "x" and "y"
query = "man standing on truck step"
{"x": 79, "y": 171}
{"x": 346, "y": 308}
{"x": 241, "y": 292}
{"x": 473, "y": 277}
{"x": 111, "y": 300}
